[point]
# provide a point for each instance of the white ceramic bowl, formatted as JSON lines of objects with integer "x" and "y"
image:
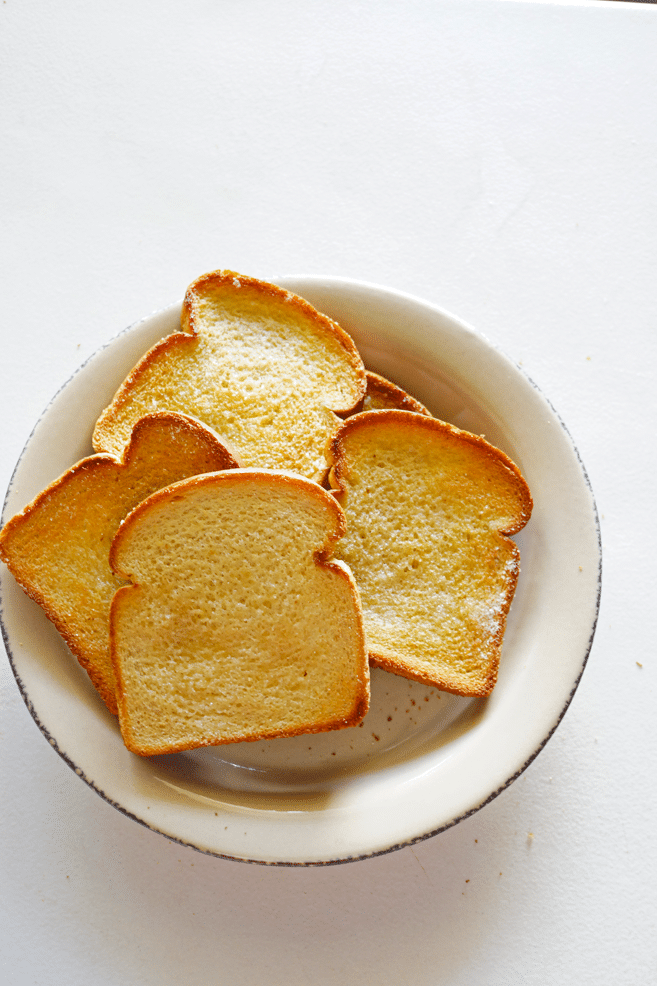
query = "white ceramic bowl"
{"x": 421, "y": 761}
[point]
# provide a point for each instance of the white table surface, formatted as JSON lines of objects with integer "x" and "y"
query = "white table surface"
{"x": 497, "y": 158}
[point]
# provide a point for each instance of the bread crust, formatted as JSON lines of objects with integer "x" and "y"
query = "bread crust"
{"x": 238, "y": 480}
{"x": 383, "y": 394}
{"x": 348, "y": 473}
{"x": 72, "y": 523}
{"x": 189, "y": 359}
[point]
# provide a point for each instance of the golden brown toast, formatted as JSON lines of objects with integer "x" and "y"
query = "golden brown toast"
{"x": 382, "y": 395}
{"x": 257, "y": 364}
{"x": 429, "y": 512}
{"x": 58, "y": 547}
{"x": 238, "y": 624}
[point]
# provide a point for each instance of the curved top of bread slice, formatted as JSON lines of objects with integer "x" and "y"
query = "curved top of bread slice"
{"x": 257, "y": 364}
{"x": 382, "y": 395}
{"x": 58, "y": 547}
{"x": 429, "y": 512}
{"x": 239, "y": 625}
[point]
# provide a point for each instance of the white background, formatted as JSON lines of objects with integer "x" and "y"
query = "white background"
{"x": 496, "y": 158}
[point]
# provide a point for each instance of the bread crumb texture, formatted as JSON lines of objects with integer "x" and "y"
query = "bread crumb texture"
{"x": 257, "y": 364}
{"x": 238, "y": 625}
{"x": 58, "y": 547}
{"x": 429, "y": 509}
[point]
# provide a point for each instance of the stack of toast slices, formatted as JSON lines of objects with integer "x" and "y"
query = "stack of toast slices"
{"x": 262, "y": 519}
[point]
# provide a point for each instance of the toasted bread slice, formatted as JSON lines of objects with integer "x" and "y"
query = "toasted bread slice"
{"x": 58, "y": 547}
{"x": 239, "y": 625}
{"x": 257, "y": 364}
{"x": 382, "y": 395}
{"x": 429, "y": 509}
